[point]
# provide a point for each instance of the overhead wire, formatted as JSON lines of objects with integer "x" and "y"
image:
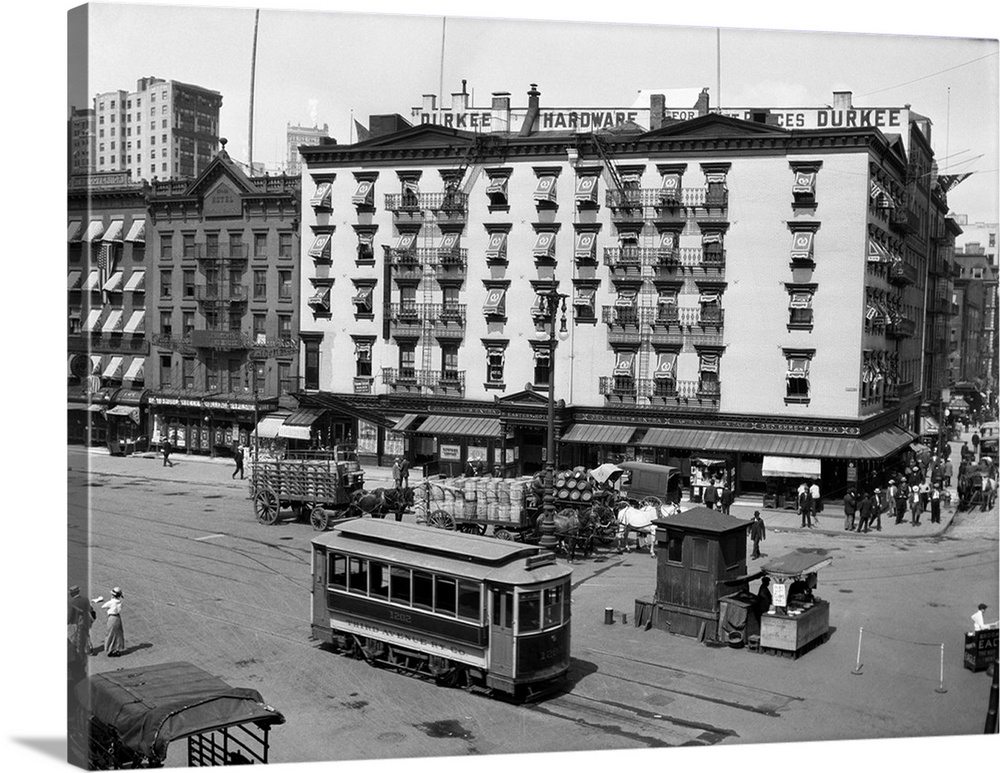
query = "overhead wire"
{"x": 931, "y": 75}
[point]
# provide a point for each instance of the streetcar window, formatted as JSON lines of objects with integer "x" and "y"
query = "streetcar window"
{"x": 337, "y": 575}
{"x": 444, "y": 596}
{"x": 399, "y": 585}
{"x": 378, "y": 580}
{"x": 503, "y": 608}
{"x": 566, "y": 603}
{"x": 423, "y": 590}
{"x": 551, "y": 606}
{"x": 469, "y": 600}
{"x": 528, "y": 618}
{"x": 357, "y": 576}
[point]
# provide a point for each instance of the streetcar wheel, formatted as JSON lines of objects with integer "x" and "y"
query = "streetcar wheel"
{"x": 266, "y": 506}
{"x": 319, "y": 519}
{"x": 502, "y": 533}
{"x": 439, "y": 519}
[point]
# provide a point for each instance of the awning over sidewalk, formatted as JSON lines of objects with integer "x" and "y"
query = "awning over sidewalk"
{"x": 404, "y": 424}
{"x": 268, "y": 426}
{"x": 343, "y": 406}
{"x": 469, "y": 426}
{"x": 299, "y": 423}
{"x": 876, "y": 446}
{"x": 606, "y": 434}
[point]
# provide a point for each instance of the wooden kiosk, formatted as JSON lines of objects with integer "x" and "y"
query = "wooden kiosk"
{"x": 798, "y": 620}
{"x": 699, "y": 551}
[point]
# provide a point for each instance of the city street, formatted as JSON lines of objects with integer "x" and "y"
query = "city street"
{"x": 204, "y": 582}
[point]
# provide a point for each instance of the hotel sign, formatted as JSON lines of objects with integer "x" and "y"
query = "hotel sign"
{"x": 893, "y": 119}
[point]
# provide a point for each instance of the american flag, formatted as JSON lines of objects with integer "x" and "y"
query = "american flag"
{"x": 106, "y": 263}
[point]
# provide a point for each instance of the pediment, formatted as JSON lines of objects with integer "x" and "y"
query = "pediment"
{"x": 422, "y": 135}
{"x": 715, "y": 125}
{"x": 221, "y": 168}
{"x": 524, "y": 397}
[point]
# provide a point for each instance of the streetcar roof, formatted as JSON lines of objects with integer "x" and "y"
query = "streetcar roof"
{"x": 463, "y": 555}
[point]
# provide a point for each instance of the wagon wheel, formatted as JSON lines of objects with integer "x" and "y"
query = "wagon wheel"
{"x": 654, "y": 501}
{"x": 439, "y": 519}
{"x": 473, "y": 528}
{"x": 502, "y": 533}
{"x": 319, "y": 518}
{"x": 266, "y": 505}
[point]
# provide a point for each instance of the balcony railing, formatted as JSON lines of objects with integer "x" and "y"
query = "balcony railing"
{"x": 654, "y": 390}
{"x": 412, "y": 379}
{"x": 410, "y": 264}
{"x": 687, "y": 317}
{"x": 902, "y": 273}
{"x": 435, "y": 313}
{"x": 901, "y": 328}
{"x": 448, "y": 203}
{"x": 220, "y": 293}
{"x": 643, "y": 198}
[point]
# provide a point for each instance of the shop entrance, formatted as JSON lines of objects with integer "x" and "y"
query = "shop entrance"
{"x": 531, "y": 442}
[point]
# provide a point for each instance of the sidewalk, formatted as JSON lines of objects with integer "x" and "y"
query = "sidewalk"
{"x": 218, "y": 471}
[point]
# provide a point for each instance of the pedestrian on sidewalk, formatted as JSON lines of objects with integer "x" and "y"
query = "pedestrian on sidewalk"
{"x": 936, "y": 504}
{"x": 925, "y": 496}
{"x": 948, "y": 470}
{"x": 167, "y": 448}
{"x": 879, "y": 504}
{"x": 114, "y": 642}
{"x": 915, "y": 506}
{"x": 850, "y": 509}
{"x": 864, "y": 512}
{"x": 238, "y": 456}
{"x": 902, "y": 495}
{"x": 726, "y": 498}
{"x": 815, "y": 502}
{"x": 756, "y": 532}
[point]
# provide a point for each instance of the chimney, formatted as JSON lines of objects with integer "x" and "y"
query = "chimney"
{"x": 657, "y": 107}
{"x": 430, "y": 103}
{"x": 842, "y": 100}
{"x": 531, "y": 118}
{"x": 500, "y": 113}
{"x": 460, "y": 100}
{"x": 702, "y": 104}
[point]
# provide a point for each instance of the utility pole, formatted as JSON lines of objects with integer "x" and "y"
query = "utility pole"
{"x": 253, "y": 75}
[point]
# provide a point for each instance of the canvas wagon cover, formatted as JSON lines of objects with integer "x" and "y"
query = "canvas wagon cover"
{"x": 151, "y": 706}
{"x": 797, "y": 563}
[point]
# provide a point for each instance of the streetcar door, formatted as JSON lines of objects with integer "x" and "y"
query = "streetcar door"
{"x": 502, "y": 631}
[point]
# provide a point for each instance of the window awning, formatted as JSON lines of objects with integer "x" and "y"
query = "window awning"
{"x": 671, "y": 188}
{"x": 665, "y": 364}
{"x": 320, "y": 299}
{"x": 715, "y": 178}
{"x": 668, "y": 240}
{"x": 798, "y": 367}
{"x": 136, "y": 322}
{"x": 90, "y": 323}
{"x": 586, "y": 245}
{"x": 405, "y": 242}
{"x": 497, "y": 187}
{"x": 93, "y": 280}
{"x": 268, "y": 426}
{"x": 297, "y": 424}
{"x": 586, "y": 189}
{"x": 322, "y": 196}
{"x": 624, "y": 363}
{"x": 404, "y": 424}
{"x": 113, "y": 323}
{"x": 96, "y": 362}
{"x": 94, "y": 231}
{"x": 136, "y": 282}
{"x": 545, "y": 245}
{"x": 802, "y": 245}
{"x": 626, "y": 299}
{"x": 546, "y": 189}
{"x": 709, "y": 363}
{"x": 497, "y": 246}
{"x": 800, "y": 301}
{"x": 876, "y": 446}
{"x": 496, "y": 301}
{"x": 135, "y": 369}
{"x": 320, "y": 247}
{"x": 114, "y": 282}
{"x": 584, "y": 296}
{"x": 460, "y": 425}
{"x": 365, "y": 194}
{"x": 711, "y": 238}
{"x": 708, "y": 298}
{"x": 114, "y": 368}
{"x": 805, "y": 184}
{"x": 606, "y": 434}
{"x": 449, "y": 243}
{"x": 114, "y": 232}
{"x": 877, "y": 253}
{"x": 74, "y": 280}
{"x": 364, "y": 296}
{"x": 137, "y": 233}
{"x": 411, "y": 187}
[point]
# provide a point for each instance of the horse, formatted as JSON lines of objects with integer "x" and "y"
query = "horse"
{"x": 381, "y": 501}
{"x": 570, "y": 528}
{"x": 640, "y": 520}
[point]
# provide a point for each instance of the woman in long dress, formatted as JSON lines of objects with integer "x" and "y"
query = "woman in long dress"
{"x": 114, "y": 642}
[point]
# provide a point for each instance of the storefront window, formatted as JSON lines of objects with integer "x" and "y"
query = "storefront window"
{"x": 367, "y": 438}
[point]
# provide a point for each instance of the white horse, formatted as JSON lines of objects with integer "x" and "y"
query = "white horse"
{"x": 640, "y": 520}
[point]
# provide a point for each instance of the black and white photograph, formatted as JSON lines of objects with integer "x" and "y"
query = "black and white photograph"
{"x": 451, "y": 381}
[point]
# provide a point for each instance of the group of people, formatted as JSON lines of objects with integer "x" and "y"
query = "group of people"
{"x": 913, "y": 491}
{"x": 82, "y": 615}
{"x": 401, "y": 473}
{"x": 808, "y": 502}
{"x": 718, "y": 492}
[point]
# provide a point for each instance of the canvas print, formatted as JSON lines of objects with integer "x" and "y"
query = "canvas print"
{"x": 443, "y": 386}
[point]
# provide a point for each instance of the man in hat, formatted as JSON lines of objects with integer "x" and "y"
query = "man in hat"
{"x": 978, "y": 621}
{"x": 879, "y": 503}
{"x": 756, "y": 532}
{"x": 850, "y": 509}
{"x": 936, "y": 504}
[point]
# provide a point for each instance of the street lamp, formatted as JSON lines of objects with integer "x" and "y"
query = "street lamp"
{"x": 552, "y": 301}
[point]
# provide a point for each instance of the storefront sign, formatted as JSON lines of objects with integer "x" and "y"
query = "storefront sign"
{"x": 223, "y": 200}
{"x": 394, "y": 444}
{"x": 981, "y": 648}
{"x": 572, "y": 119}
{"x": 195, "y": 402}
{"x": 219, "y": 339}
{"x": 367, "y": 438}
{"x": 778, "y": 597}
{"x": 891, "y": 118}
{"x": 852, "y": 473}
{"x": 451, "y": 453}
{"x": 476, "y": 454}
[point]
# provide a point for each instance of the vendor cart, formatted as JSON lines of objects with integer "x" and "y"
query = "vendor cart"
{"x": 798, "y": 620}
{"x": 126, "y": 719}
{"x": 314, "y": 488}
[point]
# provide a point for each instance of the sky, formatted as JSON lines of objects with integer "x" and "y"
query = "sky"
{"x": 327, "y": 65}
{"x": 316, "y": 68}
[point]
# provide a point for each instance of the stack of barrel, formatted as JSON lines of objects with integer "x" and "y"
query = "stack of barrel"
{"x": 478, "y": 499}
{"x": 571, "y": 487}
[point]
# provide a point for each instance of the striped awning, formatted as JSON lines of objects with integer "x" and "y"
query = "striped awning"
{"x": 608, "y": 434}
{"x": 405, "y": 423}
{"x": 268, "y": 426}
{"x": 468, "y": 426}
{"x": 876, "y": 446}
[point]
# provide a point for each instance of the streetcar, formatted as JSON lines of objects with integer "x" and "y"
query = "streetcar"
{"x": 491, "y": 616}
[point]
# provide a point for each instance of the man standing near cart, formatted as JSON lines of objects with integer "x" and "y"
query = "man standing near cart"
{"x": 757, "y": 532}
